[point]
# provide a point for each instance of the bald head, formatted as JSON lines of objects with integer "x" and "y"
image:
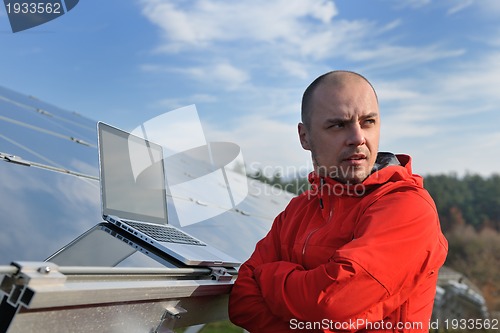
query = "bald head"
{"x": 341, "y": 126}
{"x": 335, "y": 80}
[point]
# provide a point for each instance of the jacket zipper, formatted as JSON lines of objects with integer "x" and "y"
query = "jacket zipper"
{"x": 307, "y": 239}
{"x": 313, "y": 231}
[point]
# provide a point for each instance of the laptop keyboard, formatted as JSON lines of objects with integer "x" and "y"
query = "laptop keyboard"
{"x": 164, "y": 233}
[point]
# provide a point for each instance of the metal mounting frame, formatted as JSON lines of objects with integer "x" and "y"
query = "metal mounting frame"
{"x": 42, "y": 297}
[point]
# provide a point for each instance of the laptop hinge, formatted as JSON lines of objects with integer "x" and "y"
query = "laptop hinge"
{"x": 220, "y": 274}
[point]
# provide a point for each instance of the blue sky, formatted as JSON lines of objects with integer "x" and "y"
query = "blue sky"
{"x": 245, "y": 64}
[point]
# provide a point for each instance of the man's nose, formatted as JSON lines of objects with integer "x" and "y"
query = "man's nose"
{"x": 356, "y": 136}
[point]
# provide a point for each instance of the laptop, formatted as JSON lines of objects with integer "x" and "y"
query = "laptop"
{"x": 133, "y": 198}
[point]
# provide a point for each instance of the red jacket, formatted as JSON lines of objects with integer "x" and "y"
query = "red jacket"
{"x": 346, "y": 258}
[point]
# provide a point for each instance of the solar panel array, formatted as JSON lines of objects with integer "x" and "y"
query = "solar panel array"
{"x": 49, "y": 187}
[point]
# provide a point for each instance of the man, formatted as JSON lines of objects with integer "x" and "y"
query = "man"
{"x": 361, "y": 250}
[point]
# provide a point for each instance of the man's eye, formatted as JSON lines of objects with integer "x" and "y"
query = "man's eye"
{"x": 336, "y": 125}
{"x": 370, "y": 121}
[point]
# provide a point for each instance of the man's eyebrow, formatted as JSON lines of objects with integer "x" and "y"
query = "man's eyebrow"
{"x": 370, "y": 115}
{"x": 337, "y": 120}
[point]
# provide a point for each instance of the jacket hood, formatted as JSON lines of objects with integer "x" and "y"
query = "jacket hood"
{"x": 388, "y": 168}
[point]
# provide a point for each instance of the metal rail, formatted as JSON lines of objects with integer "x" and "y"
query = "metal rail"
{"x": 42, "y": 297}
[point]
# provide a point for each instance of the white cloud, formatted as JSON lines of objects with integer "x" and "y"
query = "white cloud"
{"x": 419, "y": 112}
{"x": 489, "y": 7}
{"x": 221, "y": 73}
{"x": 295, "y": 68}
{"x": 469, "y": 88}
{"x": 292, "y": 35}
{"x": 266, "y": 143}
{"x": 459, "y": 6}
{"x": 416, "y": 3}
{"x": 391, "y": 26}
{"x": 154, "y": 68}
{"x": 229, "y": 74}
{"x": 205, "y": 22}
{"x": 175, "y": 103}
{"x": 176, "y": 25}
{"x": 446, "y": 119}
{"x": 299, "y": 30}
{"x": 392, "y": 55}
{"x": 480, "y": 77}
{"x": 395, "y": 91}
{"x": 460, "y": 154}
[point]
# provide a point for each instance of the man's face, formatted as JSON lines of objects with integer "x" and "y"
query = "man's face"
{"x": 344, "y": 131}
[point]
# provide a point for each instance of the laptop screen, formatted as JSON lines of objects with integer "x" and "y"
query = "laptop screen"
{"x": 132, "y": 176}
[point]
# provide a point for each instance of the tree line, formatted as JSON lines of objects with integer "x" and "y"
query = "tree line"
{"x": 473, "y": 200}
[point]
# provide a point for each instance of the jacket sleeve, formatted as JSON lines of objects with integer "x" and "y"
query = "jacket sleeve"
{"x": 247, "y": 307}
{"x": 397, "y": 243}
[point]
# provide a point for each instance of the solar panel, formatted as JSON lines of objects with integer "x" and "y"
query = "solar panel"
{"x": 49, "y": 187}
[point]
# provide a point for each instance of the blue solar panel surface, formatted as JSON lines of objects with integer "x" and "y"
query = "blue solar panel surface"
{"x": 46, "y": 205}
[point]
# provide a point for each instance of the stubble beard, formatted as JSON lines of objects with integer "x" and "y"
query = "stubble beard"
{"x": 345, "y": 175}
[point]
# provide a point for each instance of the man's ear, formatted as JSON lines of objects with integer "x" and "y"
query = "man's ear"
{"x": 304, "y": 136}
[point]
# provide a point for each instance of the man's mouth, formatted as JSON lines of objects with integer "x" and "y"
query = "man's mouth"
{"x": 356, "y": 157}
